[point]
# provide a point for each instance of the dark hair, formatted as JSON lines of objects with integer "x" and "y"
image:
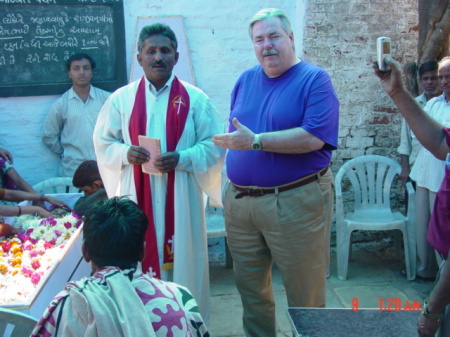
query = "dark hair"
{"x": 114, "y": 231}
{"x": 79, "y": 57}
{"x": 86, "y": 174}
{"x": 430, "y": 65}
{"x": 157, "y": 29}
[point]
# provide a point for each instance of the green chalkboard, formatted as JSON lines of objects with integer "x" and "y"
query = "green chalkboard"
{"x": 38, "y": 36}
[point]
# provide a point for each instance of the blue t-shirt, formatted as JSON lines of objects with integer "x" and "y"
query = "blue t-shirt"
{"x": 302, "y": 97}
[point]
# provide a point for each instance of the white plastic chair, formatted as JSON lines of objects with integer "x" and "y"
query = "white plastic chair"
{"x": 55, "y": 186}
{"x": 15, "y": 324}
{"x": 215, "y": 228}
{"x": 371, "y": 178}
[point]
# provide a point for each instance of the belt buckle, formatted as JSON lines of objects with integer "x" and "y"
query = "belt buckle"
{"x": 256, "y": 192}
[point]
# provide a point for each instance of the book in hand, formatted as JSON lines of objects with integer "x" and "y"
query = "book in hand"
{"x": 153, "y": 146}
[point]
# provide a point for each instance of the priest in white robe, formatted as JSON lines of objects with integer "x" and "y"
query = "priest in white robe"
{"x": 183, "y": 118}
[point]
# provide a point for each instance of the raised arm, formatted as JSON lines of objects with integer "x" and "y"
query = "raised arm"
{"x": 429, "y": 132}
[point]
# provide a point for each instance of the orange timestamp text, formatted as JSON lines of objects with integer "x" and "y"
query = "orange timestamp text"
{"x": 391, "y": 304}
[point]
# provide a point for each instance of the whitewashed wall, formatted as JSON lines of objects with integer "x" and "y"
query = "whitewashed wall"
{"x": 220, "y": 50}
{"x": 338, "y": 35}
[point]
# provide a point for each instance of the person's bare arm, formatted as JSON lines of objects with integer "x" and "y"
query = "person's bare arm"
{"x": 6, "y": 154}
{"x": 437, "y": 301}
{"x": 406, "y": 169}
{"x": 7, "y": 210}
{"x": 429, "y": 132}
{"x": 11, "y": 195}
{"x": 19, "y": 181}
{"x": 296, "y": 140}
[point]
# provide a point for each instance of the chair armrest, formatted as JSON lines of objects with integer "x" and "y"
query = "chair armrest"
{"x": 411, "y": 211}
{"x": 339, "y": 209}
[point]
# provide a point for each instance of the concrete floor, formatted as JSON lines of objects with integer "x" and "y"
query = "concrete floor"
{"x": 374, "y": 273}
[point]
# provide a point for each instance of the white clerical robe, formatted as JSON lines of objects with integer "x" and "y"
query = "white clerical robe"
{"x": 198, "y": 170}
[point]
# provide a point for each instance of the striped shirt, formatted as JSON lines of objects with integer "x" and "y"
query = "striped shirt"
{"x": 69, "y": 127}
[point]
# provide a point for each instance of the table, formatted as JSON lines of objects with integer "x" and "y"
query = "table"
{"x": 324, "y": 322}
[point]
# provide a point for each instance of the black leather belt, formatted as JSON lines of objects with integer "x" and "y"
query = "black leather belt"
{"x": 260, "y": 191}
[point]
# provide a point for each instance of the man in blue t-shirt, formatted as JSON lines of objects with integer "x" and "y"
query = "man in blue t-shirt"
{"x": 279, "y": 203}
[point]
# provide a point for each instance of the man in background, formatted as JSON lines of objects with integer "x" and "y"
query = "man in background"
{"x": 428, "y": 173}
{"x": 436, "y": 139}
{"x": 409, "y": 145}
{"x": 184, "y": 120}
{"x": 71, "y": 120}
{"x": 279, "y": 203}
{"x": 409, "y": 148}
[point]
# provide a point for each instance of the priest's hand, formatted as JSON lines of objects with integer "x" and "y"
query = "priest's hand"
{"x": 137, "y": 155}
{"x": 167, "y": 161}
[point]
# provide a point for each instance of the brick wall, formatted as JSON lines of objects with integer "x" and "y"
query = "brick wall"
{"x": 341, "y": 37}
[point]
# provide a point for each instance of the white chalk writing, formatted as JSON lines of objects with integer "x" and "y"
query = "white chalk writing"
{"x": 93, "y": 18}
{"x": 85, "y": 30}
{"x": 11, "y": 18}
{"x": 4, "y": 32}
{"x": 49, "y": 31}
{"x": 60, "y": 19}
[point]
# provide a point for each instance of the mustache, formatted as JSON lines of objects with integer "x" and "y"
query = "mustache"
{"x": 270, "y": 52}
{"x": 158, "y": 63}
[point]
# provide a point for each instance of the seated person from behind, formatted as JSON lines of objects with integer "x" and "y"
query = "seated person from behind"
{"x": 117, "y": 300}
{"x": 87, "y": 178}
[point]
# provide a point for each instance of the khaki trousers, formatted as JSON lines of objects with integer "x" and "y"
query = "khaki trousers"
{"x": 291, "y": 228}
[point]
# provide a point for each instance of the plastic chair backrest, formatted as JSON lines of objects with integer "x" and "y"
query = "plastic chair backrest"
{"x": 371, "y": 177}
{"x": 15, "y": 324}
{"x": 56, "y": 185}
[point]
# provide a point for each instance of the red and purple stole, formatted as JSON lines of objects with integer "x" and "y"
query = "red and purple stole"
{"x": 177, "y": 112}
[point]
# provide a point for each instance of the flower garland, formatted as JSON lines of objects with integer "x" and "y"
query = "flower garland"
{"x": 25, "y": 257}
